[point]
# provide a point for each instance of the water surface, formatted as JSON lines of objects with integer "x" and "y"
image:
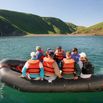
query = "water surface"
{"x": 20, "y": 48}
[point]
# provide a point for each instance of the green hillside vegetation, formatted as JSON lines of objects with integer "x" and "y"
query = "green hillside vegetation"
{"x": 58, "y": 26}
{"x": 17, "y": 23}
{"x": 72, "y": 27}
{"x": 27, "y": 22}
{"x": 35, "y": 24}
{"x": 80, "y": 29}
{"x": 7, "y": 28}
{"x": 96, "y": 29}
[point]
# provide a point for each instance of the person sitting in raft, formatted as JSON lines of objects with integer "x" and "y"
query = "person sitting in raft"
{"x": 33, "y": 68}
{"x": 86, "y": 67}
{"x": 47, "y": 51}
{"x": 39, "y": 53}
{"x": 75, "y": 55}
{"x": 51, "y": 69}
{"x": 69, "y": 67}
{"x": 59, "y": 55}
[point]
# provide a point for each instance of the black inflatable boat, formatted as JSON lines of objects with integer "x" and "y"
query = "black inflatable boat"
{"x": 10, "y": 75}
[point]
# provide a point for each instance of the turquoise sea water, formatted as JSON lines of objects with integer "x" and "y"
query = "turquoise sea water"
{"x": 20, "y": 47}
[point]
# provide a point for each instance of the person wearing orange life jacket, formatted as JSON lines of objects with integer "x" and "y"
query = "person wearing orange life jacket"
{"x": 59, "y": 55}
{"x": 33, "y": 68}
{"x": 51, "y": 69}
{"x": 68, "y": 67}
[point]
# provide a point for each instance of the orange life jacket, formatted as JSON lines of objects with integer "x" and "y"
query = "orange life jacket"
{"x": 68, "y": 66}
{"x": 33, "y": 67}
{"x": 48, "y": 66}
{"x": 59, "y": 54}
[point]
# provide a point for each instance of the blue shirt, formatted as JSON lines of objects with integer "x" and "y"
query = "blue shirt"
{"x": 39, "y": 54}
{"x": 75, "y": 57}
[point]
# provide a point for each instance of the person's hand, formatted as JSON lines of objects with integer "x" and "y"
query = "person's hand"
{"x": 21, "y": 76}
{"x": 60, "y": 76}
{"x": 76, "y": 77}
{"x": 41, "y": 78}
{"x": 60, "y": 71}
{"x": 38, "y": 78}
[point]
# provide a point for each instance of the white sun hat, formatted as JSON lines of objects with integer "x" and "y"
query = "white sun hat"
{"x": 82, "y": 54}
{"x": 32, "y": 54}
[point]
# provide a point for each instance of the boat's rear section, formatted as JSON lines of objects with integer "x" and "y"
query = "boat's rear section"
{"x": 13, "y": 64}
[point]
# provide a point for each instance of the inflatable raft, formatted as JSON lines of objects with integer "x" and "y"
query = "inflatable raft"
{"x": 10, "y": 75}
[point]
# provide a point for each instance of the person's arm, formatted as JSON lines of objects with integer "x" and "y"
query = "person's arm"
{"x": 75, "y": 69}
{"x": 80, "y": 63}
{"x": 56, "y": 70}
{"x": 64, "y": 55}
{"x": 41, "y": 71}
{"x": 61, "y": 68}
{"x": 38, "y": 55}
{"x": 24, "y": 69}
